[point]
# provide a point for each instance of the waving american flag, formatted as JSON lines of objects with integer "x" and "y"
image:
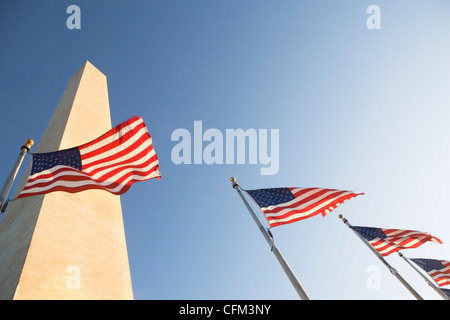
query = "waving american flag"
{"x": 387, "y": 241}
{"x": 112, "y": 162}
{"x": 287, "y": 205}
{"x": 438, "y": 270}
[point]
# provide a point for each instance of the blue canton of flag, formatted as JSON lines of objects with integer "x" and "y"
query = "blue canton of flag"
{"x": 429, "y": 264}
{"x": 271, "y": 196}
{"x": 370, "y": 233}
{"x": 44, "y": 161}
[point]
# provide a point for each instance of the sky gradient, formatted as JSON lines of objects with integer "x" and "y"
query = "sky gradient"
{"x": 356, "y": 109}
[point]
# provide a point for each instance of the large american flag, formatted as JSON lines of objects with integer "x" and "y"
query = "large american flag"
{"x": 287, "y": 205}
{"x": 439, "y": 270}
{"x": 112, "y": 162}
{"x": 387, "y": 241}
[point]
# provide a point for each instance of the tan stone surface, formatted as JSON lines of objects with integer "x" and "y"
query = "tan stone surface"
{"x": 62, "y": 245}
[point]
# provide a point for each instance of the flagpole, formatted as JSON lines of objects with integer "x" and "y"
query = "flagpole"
{"x": 391, "y": 269}
{"x": 431, "y": 284}
{"x": 25, "y": 148}
{"x": 290, "y": 274}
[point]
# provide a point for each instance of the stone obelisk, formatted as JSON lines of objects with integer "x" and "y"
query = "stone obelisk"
{"x": 63, "y": 245}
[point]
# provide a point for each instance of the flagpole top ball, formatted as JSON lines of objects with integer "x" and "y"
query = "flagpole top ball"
{"x": 233, "y": 179}
{"x": 27, "y": 145}
{"x": 341, "y": 216}
{"x": 233, "y": 182}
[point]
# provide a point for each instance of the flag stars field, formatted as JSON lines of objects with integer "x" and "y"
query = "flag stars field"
{"x": 45, "y": 161}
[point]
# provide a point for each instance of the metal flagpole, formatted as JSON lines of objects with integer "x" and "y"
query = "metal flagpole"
{"x": 297, "y": 286}
{"x": 391, "y": 269}
{"x": 431, "y": 284}
{"x": 12, "y": 175}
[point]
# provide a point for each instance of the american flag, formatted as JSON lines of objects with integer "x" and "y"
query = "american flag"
{"x": 112, "y": 162}
{"x": 439, "y": 270}
{"x": 287, "y": 205}
{"x": 446, "y": 291}
{"x": 387, "y": 241}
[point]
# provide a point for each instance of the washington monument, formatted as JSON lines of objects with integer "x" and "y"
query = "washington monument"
{"x": 67, "y": 245}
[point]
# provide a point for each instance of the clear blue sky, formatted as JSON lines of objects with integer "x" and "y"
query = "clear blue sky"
{"x": 357, "y": 109}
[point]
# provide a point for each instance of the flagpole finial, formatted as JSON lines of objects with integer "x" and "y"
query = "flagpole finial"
{"x": 25, "y": 148}
{"x": 343, "y": 219}
{"x": 27, "y": 145}
{"x": 233, "y": 182}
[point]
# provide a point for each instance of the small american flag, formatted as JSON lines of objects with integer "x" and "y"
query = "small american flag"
{"x": 287, "y": 205}
{"x": 439, "y": 270}
{"x": 387, "y": 241}
{"x": 446, "y": 291}
{"x": 112, "y": 162}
